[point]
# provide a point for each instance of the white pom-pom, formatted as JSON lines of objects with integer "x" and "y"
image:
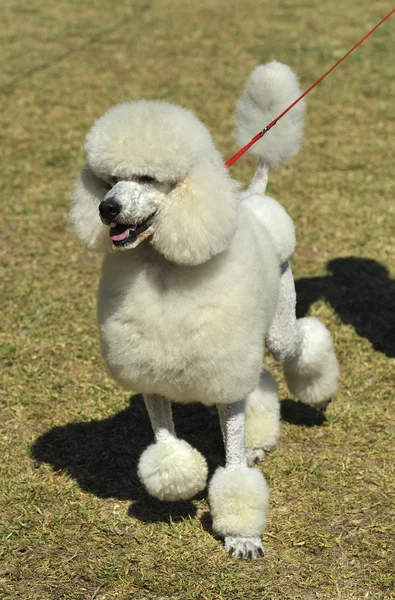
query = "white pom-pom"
{"x": 239, "y": 498}
{"x": 313, "y": 374}
{"x": 270, "y": 89}
{"x": 172, "y": 470}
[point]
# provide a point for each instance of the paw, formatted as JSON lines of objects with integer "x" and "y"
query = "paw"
{"x": 245, "y": 548}
{"x": 322, "y": 406}
{"x": 255, "y": 456}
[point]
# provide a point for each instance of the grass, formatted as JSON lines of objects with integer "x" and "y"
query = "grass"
{"x": 75, "y": 522}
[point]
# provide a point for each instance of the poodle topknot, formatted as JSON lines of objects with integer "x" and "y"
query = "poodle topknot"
{"x": 148, "y": 137}
{"x": 195, "y": 280}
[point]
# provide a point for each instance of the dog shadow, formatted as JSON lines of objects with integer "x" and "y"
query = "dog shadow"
{"x": 102, "y": 455}
{"x": 362, "y": 294}
{"x": 297, "y": 413}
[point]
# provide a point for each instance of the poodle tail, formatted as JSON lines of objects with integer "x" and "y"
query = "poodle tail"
{"x": 270, "y": 89}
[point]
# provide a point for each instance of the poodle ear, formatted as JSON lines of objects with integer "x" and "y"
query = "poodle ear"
{"x": 89, "y": 191}
{"x": 198, "y": 219}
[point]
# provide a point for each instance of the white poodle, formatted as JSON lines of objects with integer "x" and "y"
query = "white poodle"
{"x": 195, "y": 280}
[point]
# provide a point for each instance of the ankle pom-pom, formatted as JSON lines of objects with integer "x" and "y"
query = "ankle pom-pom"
{"x": 172, "y": 470}
{"x": 313, "y": 374}
{"x": 239, "y": 499}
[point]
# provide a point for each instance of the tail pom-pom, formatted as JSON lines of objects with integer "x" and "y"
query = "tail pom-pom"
{"x": 270, "y": 89}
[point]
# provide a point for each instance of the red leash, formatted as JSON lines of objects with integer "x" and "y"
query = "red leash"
{"x": 259, "y": 135}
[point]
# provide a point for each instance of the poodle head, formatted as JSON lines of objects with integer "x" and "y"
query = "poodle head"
{"x": 153, "y": 173}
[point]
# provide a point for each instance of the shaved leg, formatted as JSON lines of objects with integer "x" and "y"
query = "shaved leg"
{"x": 170, "y": 469}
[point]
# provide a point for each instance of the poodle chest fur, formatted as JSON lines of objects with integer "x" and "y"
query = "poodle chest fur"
{"x": 189, "y": 333}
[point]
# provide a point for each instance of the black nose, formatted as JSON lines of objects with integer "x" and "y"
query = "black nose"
{"x": 109, "y": 209}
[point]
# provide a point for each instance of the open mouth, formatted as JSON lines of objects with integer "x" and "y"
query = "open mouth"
{"x": 126, "y": 235}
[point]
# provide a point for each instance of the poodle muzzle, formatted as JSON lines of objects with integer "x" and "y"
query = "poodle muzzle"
{"x": 129, "y": 210}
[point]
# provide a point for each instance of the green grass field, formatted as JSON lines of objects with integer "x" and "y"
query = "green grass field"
{"x": 75, "y": 522}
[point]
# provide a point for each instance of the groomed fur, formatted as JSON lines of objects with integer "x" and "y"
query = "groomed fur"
{"x": 238, "y": 498}
{"x": 147, "y": 137}
{"x": 191, "y": 334}
{"x": 313, "y": 374}
{"x": 278, "y": 223}
{"x": 270, "y": 89}
{"x": 172, "y": 470}
{"x": 199, "y": 218}
{"x": 89, "y": 191}
{"x": 262, "y": 419}
{"x": 167, "y": 142}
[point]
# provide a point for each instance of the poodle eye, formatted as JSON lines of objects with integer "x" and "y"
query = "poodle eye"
{"x": 146, "y": 179}
{"x": 109, "y": 181}
{"x": 106, "y": 184}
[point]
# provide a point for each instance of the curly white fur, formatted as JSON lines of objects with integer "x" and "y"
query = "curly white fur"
{"x": 238, "y": 498}
{"x": 89, "y": 190}
{"x": 313, "y": 374}
{"x": 262, "y": 419}
{"x": 172, "y": 470}
{"x": 278, "y": 223}
{"x": 270, "y": 89}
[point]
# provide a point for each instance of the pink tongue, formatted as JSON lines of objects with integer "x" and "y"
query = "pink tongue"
{"x": 118, "y": 235}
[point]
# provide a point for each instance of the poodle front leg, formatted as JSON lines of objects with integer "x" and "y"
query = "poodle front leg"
{"x": 161, "y": 417}
{"x": 238, "y": 494}
{"x": 170, "y": 469}
{"x": 304, "y": 347}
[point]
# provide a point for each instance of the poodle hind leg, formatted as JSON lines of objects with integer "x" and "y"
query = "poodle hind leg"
{"x": 305, "y": 348}
{"x": 238, "y": 495}
{"x": 170, "y": 469}
{"x": 262, "y": 412}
